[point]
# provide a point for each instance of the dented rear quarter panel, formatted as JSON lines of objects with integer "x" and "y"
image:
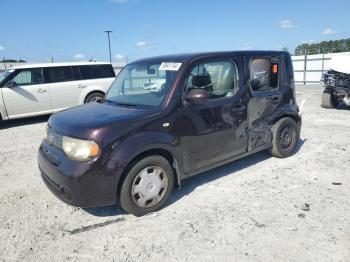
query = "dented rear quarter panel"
{"x": 267, "y": 107}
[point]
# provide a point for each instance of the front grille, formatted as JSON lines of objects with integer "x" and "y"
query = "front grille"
{"x": 53, "y": 138}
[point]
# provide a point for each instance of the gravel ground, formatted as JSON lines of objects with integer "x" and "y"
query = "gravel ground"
{"x": 251, "y": 210}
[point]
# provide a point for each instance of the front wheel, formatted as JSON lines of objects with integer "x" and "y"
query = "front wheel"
{"x": 286, "y": 134}
{"x": 147, "y": 186}
{"x": 328, "y": 100}
{"x": 94, "y": 97}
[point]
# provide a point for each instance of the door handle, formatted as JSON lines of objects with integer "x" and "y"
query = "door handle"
{"x": 41, "y": 90}
{"x": 81, "y": 86}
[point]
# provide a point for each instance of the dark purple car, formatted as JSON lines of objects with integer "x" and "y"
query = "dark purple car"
{"x": 165, "y": 119}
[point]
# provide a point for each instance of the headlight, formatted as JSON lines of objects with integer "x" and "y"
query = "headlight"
{"x": 79, "y": 149}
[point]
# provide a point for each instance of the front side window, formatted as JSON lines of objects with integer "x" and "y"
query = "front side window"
{"x": 58, "y": 74}
{"x": 219, "y": 79}
{"x": 32, "y": 76}
{"x": 264, "y": 73}
{"x": 142, "y": 84}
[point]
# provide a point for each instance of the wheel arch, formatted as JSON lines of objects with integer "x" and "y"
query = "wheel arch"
{"x": 295, "y": 117}
{"x": 168, "y": 155}
{"x": 92, "y": 92}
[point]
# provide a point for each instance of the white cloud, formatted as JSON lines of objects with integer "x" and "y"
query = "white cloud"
{"x": 246, "y": 46}
{"x": 142, "y": 44}
{"x": 119, "y": 56}
{"x": 308, "y": 42}
{"x": 2, "y": 48}
{"x": 328, "y": 31}
{"x": 286, "y": 24}
{"x": 79, "y": 56}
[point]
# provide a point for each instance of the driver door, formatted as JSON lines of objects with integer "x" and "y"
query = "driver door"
{"x": 213, "y": 131}
{"x": 25, "y": 94}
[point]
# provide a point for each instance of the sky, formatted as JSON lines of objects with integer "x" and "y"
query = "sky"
{"x": 73, "y": 30}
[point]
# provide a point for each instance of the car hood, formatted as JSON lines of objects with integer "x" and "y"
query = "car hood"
{"x": 92, "y": 120}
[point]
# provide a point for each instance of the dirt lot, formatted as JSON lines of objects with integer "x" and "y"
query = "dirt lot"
{"x": 250, "y": 210}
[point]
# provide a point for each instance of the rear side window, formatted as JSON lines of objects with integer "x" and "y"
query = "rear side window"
{"x": 32, "y": 76}
{"x": 58, "y": 74}
{"x": 96, "y": 71}
{"x": 264, "y": 73}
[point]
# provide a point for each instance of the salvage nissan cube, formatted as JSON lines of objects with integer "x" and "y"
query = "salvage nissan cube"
{"x": 139, "y": 143}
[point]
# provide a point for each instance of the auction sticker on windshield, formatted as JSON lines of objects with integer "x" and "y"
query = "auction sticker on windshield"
{"x": 170, "y": 66}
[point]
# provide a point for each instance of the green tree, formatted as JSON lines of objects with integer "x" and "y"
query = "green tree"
{"x": 12, "y": 61}
{"x": 324, "y": 47}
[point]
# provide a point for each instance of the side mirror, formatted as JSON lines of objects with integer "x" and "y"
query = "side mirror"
{"x": 11, "y": 84}
{"x": 197, "y": 96}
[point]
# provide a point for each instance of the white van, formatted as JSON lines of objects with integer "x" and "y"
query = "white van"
{"x": 39, "y": 89}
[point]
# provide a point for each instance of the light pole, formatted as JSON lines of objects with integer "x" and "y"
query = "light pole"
{"x": 109, "y": 45}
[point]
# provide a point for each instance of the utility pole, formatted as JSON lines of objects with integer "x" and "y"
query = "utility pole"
{"x": 109, "y": 45}
{"x": 4, "y": 60}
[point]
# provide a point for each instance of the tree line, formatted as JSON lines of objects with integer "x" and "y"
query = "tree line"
{"x": 12, "y": 61}
{"x": 324, "y": 47}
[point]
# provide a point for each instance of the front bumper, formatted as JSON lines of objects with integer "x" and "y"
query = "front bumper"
{"x": 82, "y": 184}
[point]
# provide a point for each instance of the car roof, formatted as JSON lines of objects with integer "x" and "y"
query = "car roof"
{"x": 180, "y": 58}
{"x": 58, "y": 64}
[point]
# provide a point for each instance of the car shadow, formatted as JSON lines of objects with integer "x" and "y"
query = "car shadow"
{"x": 343, "y": 106}
{"x": 23, "y": 121}
{"x": 105, "y": 211}
{"x": 190, "y": 184}
{"x": 300, "y": 145}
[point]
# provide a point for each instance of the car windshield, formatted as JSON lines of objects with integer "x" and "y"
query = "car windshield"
{"x": 142, "y": 84}
{"x": 3, "y": 75}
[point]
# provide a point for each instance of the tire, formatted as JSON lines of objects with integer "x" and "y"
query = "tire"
{"x": 328, "y": 100}
{"x": 285, "y": 137}
{"x": 147, "y": 186}
{"x": 94, "y": 97}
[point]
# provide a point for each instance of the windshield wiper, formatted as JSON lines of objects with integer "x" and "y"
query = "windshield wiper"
{"x": 120, "y": 104}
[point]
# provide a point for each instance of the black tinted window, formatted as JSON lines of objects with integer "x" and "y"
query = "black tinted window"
{"x": 96, "y": 71}
{"x": 58, "y": 74}
{"x": 264, "y": 73}
{"x": 76, "y": 72}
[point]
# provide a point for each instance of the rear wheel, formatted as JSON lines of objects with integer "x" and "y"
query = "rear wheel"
{"x": 147, "y": 186}
{"x": 328, "y": 100}
{"x": 94, "y": 97}
{"x": 286, "y": 134}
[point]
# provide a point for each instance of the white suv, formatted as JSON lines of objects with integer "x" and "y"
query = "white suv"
{"x": 40, "y": 89}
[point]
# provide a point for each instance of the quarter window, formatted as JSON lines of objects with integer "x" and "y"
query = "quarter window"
{"x": 264, "y": 73}
{"x": 58, "y": 74}
{"x": 219, "y": 79}
{"x": 96, "y": 71}
{"x": 32, "y": 76}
